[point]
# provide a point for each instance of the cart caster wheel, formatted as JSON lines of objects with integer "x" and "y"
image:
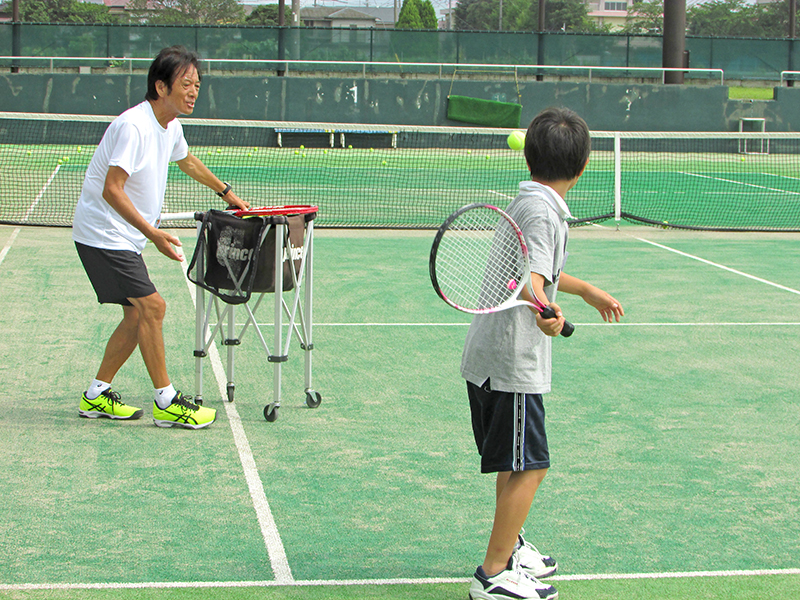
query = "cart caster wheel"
{"x": 313, "y": 399}
{"x": 271, "y": 413}
{"x": 231, "y": 387}
{"x": 198, "y": 400}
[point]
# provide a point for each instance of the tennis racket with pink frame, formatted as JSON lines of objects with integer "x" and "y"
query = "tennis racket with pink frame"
{"x": 479, "y": 263}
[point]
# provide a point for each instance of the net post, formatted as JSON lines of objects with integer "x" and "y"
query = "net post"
{"x": 617, "y": 178}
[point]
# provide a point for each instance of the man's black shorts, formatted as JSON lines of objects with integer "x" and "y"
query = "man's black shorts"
{"x": 509, "y": 429}
{"x": 116, "y": 275}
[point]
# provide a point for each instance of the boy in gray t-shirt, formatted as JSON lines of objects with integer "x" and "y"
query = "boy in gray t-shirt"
{"x": 506, "y": 359}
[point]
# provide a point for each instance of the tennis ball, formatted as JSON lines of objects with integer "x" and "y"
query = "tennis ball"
{"x": 297, "y": 151}
{"x": 302, "y": 147}
{"x": 384, "y": 163}
{"x": 469, "y": 151}
{"x": 665, "y": 225}
{"x": 324, "y": 151}
{"x": 349, "y": 147}
{"x": 516, "y": 140}
{"x": 488, "y": 157}
{"x": 743, "y": 159}
{"x": 61, "y": 162}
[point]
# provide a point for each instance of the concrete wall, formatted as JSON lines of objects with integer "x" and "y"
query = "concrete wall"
{"x": 413, "y": 101}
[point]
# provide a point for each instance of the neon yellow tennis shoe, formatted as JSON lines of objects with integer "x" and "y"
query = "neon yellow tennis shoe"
{"x": 108, "y": 405}
{"x": 183, "y": 413}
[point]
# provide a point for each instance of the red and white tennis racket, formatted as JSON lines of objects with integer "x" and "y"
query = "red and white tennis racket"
{"x": 479, "y": 263}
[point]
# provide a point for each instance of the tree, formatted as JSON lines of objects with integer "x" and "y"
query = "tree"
{"x": 560, "y": 15}
{"x": 428, "y": 15}
{"x": 724, "y": 17}
{"x": 523, "y": 15}
{"x": 646, "y": 16}
{"x": 475, "y": 15}
{"x": 267, "y": 14}
{"x": 187, "y": 12}
{"x": 409, "y": 17}
{"x": 737, "y": 18}
{"x": 64, "y": 11}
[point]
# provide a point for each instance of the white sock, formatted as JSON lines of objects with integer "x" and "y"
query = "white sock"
{"x": 164, "y": 396}
{"x": 96, "y": 388}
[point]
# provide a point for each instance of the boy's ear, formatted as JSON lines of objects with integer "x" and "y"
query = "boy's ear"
{"x": 583, "y": 168}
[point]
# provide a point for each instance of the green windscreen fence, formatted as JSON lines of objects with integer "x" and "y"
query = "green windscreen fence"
{"x": 373, "y": 176}
{"x": 740, "y": 58}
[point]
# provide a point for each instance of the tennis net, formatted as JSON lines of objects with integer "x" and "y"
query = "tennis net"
{"x": 413, "y": 177}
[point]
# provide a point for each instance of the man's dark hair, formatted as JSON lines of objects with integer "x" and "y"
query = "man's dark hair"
{"x": 557, "y": 145}
{"x": 167, "y": 66}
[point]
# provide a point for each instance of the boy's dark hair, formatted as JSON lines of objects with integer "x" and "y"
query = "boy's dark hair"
{"x": 557, "y": 145}
{"x": 167, "y": 66}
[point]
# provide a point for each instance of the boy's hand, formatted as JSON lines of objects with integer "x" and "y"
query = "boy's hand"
{"x": 608, "y": 307}
{"x": 551, "y": 327}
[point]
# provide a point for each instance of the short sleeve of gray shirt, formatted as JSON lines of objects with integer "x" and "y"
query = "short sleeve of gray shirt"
{"x": 507, "y": 347}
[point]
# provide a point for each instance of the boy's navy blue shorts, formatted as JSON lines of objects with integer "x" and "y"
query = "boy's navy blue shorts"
{"x": 509, "y": 429}
{"x": 116, "y": 275}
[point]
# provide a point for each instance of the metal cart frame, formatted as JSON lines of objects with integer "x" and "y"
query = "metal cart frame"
{"x": 298, "y": 315}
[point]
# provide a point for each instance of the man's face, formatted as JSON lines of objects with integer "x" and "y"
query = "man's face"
{"x": 183, "y": 95}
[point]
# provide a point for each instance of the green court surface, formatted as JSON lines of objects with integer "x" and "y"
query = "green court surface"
{"x": 675, "y": 436}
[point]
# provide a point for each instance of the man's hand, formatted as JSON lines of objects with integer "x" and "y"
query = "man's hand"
{"x": 165, "y": 241}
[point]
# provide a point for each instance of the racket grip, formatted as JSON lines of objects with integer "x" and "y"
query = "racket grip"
{"x": 568, "y": 328}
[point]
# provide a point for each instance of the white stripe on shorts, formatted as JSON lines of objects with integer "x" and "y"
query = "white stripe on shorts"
{"x": 519, "y": 433}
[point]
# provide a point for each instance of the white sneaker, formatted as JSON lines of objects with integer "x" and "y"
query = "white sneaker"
{"x": 532, "y": 561}
{"x": 511, "y": 583}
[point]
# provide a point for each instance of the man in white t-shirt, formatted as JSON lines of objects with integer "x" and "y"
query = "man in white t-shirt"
{"x": 118, "y": 211}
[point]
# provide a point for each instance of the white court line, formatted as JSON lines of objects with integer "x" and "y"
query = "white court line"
{"x": 41, "y": 193}
{"x": 8, "y": 245}
{"x": 719, "y": 266}
{"x": 33, "y": 205}
{"x": 269, "y": 530}
{"x": 373, "y": 582}
{"x": 708, "y": 262}
{"x": 760, "y": 187}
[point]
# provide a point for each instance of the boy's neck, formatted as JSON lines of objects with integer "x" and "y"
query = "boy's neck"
{"x": 561, "y": 187}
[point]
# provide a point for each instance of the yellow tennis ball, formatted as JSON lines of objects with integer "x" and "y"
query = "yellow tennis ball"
{"x": 516, "y": 140}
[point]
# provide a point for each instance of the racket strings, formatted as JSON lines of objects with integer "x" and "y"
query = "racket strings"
{"x": 479, "y": 261}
